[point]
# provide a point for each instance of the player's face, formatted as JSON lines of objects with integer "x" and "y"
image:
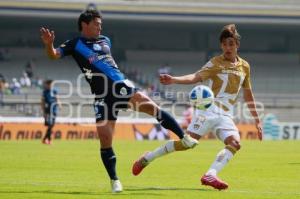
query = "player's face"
{"x": 229, "y": 47}
{"x": 47, "y": 86}
{"x": 94, "y": 28}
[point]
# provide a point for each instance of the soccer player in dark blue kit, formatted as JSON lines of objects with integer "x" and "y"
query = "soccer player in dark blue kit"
{"x": 92, "y": 52}
{"x": 49, "y": 105}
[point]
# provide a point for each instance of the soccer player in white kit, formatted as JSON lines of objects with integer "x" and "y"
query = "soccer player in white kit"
{"x": 225, "y": 74}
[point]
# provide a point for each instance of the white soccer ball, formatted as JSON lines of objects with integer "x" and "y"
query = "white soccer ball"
{"x": 201, "y": 97}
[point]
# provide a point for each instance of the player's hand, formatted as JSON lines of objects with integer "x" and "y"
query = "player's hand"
{"x": 165, "y": 79}
{"x": 259, "y": 130}
{"x": 47, "y": 36}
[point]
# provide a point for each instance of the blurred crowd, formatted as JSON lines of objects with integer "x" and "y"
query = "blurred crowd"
{"x": 15, "y": 84}
{"x": 149, "y": 83}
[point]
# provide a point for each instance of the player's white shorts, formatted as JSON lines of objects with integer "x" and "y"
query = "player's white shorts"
{"x": 204, "y": 122}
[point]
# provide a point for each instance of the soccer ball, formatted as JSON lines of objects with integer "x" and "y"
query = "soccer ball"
{"x": 201, "y": 97}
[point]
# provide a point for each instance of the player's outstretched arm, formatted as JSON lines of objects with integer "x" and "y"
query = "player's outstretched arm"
{"x": 48, "y": 37}
{"x": 249, "y": 99}
{"x": 185, "y": 79}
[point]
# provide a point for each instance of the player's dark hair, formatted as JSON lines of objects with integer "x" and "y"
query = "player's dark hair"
{"x": 48, "y": 82}
{"x": 230, "y": 31}
{"x": 87, "y": 16}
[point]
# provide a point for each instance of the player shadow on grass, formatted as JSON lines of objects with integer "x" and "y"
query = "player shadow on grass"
{"x": 164, "y": 189}
{"x": 127, "y": 191}
{"x": 294, "y": 163}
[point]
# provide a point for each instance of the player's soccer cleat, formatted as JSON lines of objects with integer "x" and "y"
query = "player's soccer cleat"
{"x": 214, "y": 182}
{"x": 116, "y": 186}
{"x": 188, "y": 141}
{"x": 46, "y": 141}
{"x": 139, "y": 165}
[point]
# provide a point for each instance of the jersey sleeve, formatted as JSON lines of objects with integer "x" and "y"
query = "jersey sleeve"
{"x": 43, "y": 94}
{"x": 54, "y": 93}
{"x": 247, "y": 80}
{"x": 66, "y": 48}
{"x": 108, "y": 41}
{"x": 207, "y": 71}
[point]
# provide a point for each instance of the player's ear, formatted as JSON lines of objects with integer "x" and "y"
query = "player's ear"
{"x": 83, "y": 25}
{"x": 237, "y": 44}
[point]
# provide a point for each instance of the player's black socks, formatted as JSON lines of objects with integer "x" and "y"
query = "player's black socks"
{"x": 48, "y": 133}
{"x": 168, "y": 122}
{"x": 109, "y": 160}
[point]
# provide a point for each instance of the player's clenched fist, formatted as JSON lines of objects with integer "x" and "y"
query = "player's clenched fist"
{"x": 165, "y": 79}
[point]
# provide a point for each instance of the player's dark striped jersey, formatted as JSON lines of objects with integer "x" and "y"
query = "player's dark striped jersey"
{"x": 50, "y": 99}
{"x": 95, "y": 60}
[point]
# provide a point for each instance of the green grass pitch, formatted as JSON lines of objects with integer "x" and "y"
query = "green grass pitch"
{"x": 72, "y": 169}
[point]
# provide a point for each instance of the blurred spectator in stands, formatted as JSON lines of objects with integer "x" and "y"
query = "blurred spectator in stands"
{"x": 37, "y": 82}
{"x": 1, "y": 56}
{"x": 5, "y": 54}
{"x": 2, "y": 87}
{"x": 29, "y": 68}
{"x": 15, "y": 87}
{"x": 25, "y": 81}
{"x": 165, "y": 69}
{"x": 2, "y": 78}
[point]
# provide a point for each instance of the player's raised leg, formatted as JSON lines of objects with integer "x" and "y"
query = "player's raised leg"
{"x": 169, "y": 147}
{"x": 142, "y": 103}
{"x": 232, "y": 145}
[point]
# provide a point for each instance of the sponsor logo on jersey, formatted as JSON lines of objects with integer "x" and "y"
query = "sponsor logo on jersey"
{"x": 99, "y": 102}
{"x": 88, "y": 73}
{"x": 238, "y": 73}
{"x": 97, "y": 47}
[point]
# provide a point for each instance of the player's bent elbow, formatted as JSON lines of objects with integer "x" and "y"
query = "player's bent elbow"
{"x": 53, "y": 57}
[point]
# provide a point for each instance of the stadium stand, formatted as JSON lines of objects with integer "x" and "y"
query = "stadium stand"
{"x": 274, "y": 77}
{"x": 158, "y": 42}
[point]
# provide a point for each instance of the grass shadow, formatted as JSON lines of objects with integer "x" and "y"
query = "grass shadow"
{"x": 164, "y": 189}
{"x": 294, "y": 163}
{"x": 131, "y": 190}
{"x": 126, "y": 192}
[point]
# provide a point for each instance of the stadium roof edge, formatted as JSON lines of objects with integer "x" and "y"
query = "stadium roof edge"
{"x": 209, "y": 14}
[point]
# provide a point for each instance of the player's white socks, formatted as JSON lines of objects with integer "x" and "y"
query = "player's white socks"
{"x": 160, "y": 151}
{"x": 222, "y": 159}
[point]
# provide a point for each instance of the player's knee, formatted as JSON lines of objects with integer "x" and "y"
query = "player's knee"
{"x": 236, "y": 145}
{"x": 105, "y": 138}
{"x": 138, "y": 96}
{"x": 180, "y": 147}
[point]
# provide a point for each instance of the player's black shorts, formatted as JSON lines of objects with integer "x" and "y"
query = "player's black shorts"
{"x": 50, "y": 119}
{"x": 107, "y": 108}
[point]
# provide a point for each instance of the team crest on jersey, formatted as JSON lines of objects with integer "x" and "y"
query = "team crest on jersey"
{"x": 123, "y": 91}
{"x": 97, "y": 47}
{"x": 196, "y": 126}
{"x": 201, "y": 119}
